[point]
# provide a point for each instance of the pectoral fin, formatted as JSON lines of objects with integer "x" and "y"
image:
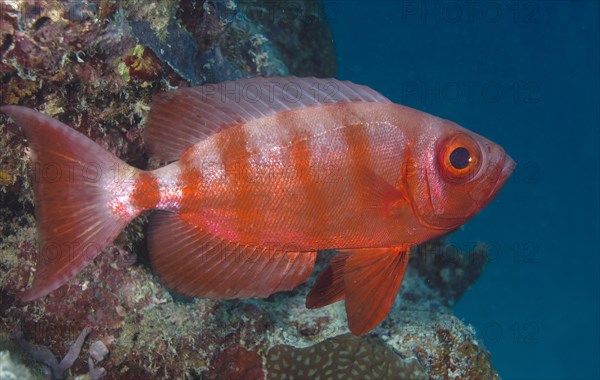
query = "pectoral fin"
{"x": 377, "y": 194}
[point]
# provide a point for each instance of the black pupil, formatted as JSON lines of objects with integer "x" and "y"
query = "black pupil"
{"x": 460, "y": 158}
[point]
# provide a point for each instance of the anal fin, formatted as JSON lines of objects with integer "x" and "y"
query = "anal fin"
{"x": 198, "y": 264}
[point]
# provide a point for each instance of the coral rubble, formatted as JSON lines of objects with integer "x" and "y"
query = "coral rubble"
{"x": 95, "y": 65}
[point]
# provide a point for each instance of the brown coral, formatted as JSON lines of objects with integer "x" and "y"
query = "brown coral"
{"x": 342, "y": 357}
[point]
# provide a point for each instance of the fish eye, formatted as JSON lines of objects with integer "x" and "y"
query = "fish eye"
{"x": 459, "y": 158}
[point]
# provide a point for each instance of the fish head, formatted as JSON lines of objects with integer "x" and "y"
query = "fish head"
{"x": 456, "y": 173}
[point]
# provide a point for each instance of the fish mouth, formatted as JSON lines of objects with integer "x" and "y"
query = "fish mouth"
{"x": 507, "y": 169}
{"x": 498, "y": 179}
{"x": 509, "y": 166}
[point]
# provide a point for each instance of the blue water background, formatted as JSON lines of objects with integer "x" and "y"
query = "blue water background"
{"x": 525, "y": 75}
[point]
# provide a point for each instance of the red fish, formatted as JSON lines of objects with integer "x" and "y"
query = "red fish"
{"x": 260, "y": 174}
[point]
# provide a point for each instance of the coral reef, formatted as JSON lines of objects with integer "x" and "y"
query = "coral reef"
{"x": 145, "y": 327}
{"x": 342, "y": 357}
{"x": 95, "y": 65}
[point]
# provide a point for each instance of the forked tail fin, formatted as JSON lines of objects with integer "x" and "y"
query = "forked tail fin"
{"x": 84, "y": 197}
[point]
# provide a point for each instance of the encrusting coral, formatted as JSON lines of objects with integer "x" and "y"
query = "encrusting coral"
{"x": 342, "y": 357}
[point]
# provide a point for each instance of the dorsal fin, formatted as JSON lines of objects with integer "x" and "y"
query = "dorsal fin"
{"x": 180, "y": 118}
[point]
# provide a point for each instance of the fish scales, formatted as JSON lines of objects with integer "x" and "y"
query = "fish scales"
{"x": 287, "y": 189}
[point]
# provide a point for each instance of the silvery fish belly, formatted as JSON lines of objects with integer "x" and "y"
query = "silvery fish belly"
{"x": 259, "y": 174}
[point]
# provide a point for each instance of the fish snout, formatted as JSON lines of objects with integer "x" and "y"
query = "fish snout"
{"x": 493, "y": 179}
{"x": 509, "y": 166}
